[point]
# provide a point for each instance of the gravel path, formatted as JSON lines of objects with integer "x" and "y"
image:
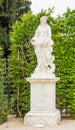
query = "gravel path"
{"x": 14, "y": 123}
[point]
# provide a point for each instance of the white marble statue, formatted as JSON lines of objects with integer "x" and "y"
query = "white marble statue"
{"x": 43, "y": 43}
{"x": 43, "y": 111}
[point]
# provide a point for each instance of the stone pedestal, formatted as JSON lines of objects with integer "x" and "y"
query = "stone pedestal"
{"x": 43, "y": 110}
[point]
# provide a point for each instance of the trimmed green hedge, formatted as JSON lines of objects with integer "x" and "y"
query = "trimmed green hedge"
{"x": 3, "y": 106}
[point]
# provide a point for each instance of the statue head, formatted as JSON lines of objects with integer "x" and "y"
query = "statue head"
{"x": 43, "y": 19}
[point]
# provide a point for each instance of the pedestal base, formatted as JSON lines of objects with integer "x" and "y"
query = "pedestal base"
{"x": 43, "y": 110}
{"x": 42, "y": 119}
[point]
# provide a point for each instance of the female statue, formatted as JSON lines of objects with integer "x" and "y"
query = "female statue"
{"x": 42, "y": 43}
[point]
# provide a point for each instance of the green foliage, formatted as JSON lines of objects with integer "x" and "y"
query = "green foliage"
{"x": 7, "y": 16}
{"x": 10, "y": 10}
{"x": 64, "y": 50}
{"x": 23, "y": 59}
{"x": 22, "y": 6}
{"x": 3, "y": 110}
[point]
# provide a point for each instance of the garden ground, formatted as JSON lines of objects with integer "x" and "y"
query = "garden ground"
{"x": 14, "y": 123}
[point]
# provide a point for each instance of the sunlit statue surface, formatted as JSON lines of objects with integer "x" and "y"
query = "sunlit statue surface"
{"x": 43, "y": 43}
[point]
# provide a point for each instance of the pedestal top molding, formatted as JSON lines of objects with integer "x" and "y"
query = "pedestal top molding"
{"x": 46, "y": 80}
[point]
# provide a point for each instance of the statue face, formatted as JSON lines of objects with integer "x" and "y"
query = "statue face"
{"x": 43, "y": 19}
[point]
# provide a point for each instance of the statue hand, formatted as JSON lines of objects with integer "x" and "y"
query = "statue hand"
{"x": 33, "y": 41}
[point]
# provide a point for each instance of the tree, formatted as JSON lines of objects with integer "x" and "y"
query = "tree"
{"x": 22, "y": 6}
{"x": 10, "y": 10}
